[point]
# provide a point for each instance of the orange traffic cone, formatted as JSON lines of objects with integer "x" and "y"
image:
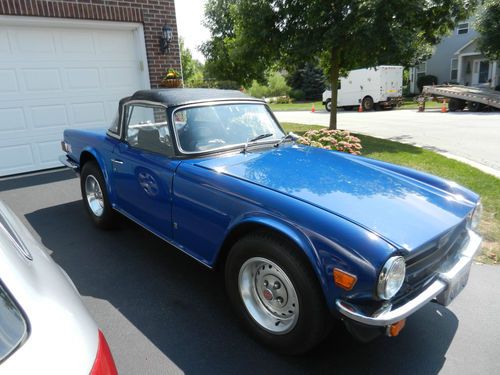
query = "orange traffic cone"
{"x": 360, "y": 108}
{"x": 443, "y": 107}
{"x": 313, "y": 109}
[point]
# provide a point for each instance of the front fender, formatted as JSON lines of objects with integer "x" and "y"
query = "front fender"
{"x": 290, "y": 231}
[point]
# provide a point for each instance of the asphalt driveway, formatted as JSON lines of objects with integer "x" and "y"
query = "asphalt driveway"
{"x": 163, "y": 313}
{"x": 472, "y": 136}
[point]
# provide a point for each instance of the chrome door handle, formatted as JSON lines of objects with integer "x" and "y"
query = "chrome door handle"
{"x": 116, "y": 161}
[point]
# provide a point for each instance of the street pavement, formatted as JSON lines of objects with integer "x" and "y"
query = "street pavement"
{"x": 163, "y": 313}
{"x": 472, "y": 137}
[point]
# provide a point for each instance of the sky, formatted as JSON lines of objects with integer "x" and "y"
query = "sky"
{"x": 189, "y": 25}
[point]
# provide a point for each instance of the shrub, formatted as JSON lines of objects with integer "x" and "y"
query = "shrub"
{"x": 277, "y": 85}
{"x": 427, "y": 80}
{"x": 257, "y": 90}
{"x": 297, "y": 94}
{"x": 339, "y": 140}
{"x": 282, "y": 100}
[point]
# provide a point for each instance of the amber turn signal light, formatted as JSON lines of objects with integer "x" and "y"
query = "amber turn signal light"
{"x": 344, "y": 279}
{"x": 394, "y": 329}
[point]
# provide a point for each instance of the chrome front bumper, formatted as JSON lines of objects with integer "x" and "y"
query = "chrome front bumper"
{"x": 68, "y": 162}
{"x": 452, "y": 277}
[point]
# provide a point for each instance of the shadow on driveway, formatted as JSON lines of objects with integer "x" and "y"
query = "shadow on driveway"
{"x": 180, "y": 306}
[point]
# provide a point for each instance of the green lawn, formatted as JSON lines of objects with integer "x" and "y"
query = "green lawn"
{"x": 299, "y": 106}
{"x": 306, "y": 106}
{"x": 484, "y": 184}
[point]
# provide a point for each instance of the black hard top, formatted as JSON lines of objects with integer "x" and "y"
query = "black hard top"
{"x": 176, "y": 97}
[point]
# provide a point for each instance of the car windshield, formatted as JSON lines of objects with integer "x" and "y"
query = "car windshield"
{"x": 206, "y": 128}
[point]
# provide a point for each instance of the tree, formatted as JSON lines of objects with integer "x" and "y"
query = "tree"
{"x": 192, "y": 69}
{"x": 344, "y": 34}
{"x": 488, "y": 25}
{"x": 309, "y": 79}
{"x": 190, "y": 66}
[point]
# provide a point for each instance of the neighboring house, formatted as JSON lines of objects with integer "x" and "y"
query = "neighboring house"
{"x": 66, "y": 63}
{"x": 456, "y": 59}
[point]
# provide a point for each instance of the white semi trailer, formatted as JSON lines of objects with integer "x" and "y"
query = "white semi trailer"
{"x": 373, "y": 88}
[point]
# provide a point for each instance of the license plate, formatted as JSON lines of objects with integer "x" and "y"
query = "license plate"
{"x": 455, "y": 286}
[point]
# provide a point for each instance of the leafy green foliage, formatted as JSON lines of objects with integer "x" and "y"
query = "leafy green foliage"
{"x": 488, "y": 25}
{"x": 192, "y": 69}
{"x": 310, "y": 80}
{"x": 249, "y": 36}
{"x": 276, "y": 86}
{"x": 426, "y": 80}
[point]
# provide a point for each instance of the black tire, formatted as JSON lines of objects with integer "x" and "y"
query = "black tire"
{"x": 367, "y": 103}
{"x": 106, "y": 220}
{"x": 313, "y": 320}
{"x": 456, "y": 105}
{"x": 328, "y": 105}
{"x": 474, "y": 106}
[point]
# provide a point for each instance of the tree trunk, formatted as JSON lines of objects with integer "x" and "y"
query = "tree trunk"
{"x": 334, "y": 78}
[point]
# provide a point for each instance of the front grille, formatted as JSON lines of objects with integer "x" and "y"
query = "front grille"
{"x": 422, "y": 268}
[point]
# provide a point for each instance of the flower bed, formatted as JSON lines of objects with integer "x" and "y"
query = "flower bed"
{"x": 339, "y": 140}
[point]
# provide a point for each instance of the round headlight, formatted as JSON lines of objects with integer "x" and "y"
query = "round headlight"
{"x": 391, "y": 277}
{"x": 476, "y": 216}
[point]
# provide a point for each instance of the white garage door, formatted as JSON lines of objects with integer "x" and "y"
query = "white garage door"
{"x": 58, "y": 74}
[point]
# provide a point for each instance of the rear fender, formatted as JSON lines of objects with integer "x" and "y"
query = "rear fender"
{"x": 102, "y": 165}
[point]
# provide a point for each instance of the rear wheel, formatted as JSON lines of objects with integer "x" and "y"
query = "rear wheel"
{"x": 367, "y": 103}
{"x": 276, "y": 294}
{"x": 456, "y": 105}
{"x": 95, "y": 196}
{"x": 474, "y": 106}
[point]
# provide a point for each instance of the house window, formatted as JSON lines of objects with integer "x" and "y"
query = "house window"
{"x": 454, "y": 70}
{"x": 463, "y": 28}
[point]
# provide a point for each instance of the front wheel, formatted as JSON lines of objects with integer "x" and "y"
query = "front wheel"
{"x": 328, "y": 105}
{"x": 276, "y": 294}
{"x": 95, "y": 196}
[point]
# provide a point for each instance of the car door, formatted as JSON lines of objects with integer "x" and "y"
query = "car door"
{"x": 143, "y": 167}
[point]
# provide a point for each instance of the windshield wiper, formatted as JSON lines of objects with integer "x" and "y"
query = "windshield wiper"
{"x": 262, "y": 136}
{"x": 290, "y": 136}
{"x": 259, "y": 137}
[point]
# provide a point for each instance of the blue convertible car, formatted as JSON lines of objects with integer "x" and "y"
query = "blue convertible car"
{"x": 302, "y": 234}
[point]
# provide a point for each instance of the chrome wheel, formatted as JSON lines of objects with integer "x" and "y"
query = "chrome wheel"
{"x": 268, "y": 295}
{"x": 94, "y": 195}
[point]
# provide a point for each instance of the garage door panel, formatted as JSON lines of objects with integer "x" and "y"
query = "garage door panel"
{"x": 12, "y": 119}
{"x": 48, "y": 116}
{"x": 113, "y": 43}
{"x": 41, "y": 79}
{"x": 16, "y": 157}
{"x": 8, "y": 80}
{"x": 54, "y": 78}
{"x": 82, "y": 78}
{"x": 49, "y": 152}
{"x": 4, "y": 43}
{"x": 77, "y": 43}
{"x": 35, "y": 41}
{"x": 89, "y": 113}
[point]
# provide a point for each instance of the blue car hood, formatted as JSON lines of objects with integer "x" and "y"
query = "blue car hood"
{"x": 404, "y": 211}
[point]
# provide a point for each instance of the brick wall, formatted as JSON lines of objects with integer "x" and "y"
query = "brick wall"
{"x": 153, "y": 14}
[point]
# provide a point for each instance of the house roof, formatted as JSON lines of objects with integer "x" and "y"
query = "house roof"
{"x": 464, "y": 47}
{"x": 176, "y": 97}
